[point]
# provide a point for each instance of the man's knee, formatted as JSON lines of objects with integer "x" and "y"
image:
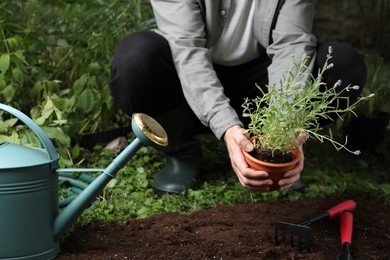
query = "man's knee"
{"x": 140, "y": 53}
{"x": 143, "y": 73}
{"x": 345, "y": 58}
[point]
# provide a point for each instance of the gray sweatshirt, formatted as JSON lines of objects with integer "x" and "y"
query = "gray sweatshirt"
{"x": 193, "y": 26}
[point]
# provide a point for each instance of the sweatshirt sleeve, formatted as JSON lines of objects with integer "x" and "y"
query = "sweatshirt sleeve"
{"x": 292, "y": 36}
{"x": 181, "y": 23}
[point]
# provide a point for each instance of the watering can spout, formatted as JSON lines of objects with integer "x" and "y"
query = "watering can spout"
{"x": 147, "y": 132}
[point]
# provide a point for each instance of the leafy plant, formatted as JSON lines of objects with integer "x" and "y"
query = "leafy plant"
{"x": 295, "y": 107}
{"x": 55, "y": 61}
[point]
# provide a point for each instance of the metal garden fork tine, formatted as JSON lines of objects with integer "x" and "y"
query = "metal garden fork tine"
{"x": 302, "y": 230}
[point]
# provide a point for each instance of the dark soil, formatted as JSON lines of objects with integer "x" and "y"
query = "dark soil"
{"x": 244, "y": 231}
{"x": 267, "y": 156}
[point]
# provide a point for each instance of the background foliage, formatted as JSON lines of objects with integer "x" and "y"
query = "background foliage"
{"x": 364, "y": 24}
{"x": 55, "y": 64}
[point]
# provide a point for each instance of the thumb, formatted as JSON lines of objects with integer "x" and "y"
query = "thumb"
{"x": 302, "y": 138}
{"x": 245, "y": 144}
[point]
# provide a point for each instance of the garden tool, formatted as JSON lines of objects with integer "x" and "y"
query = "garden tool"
{"x": 302, "y": 232}
{"x": 30, "y": 221}
{"x": 346, "y": 226}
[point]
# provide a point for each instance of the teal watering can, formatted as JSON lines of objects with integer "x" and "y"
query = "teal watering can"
{"x": 30, "y": 221}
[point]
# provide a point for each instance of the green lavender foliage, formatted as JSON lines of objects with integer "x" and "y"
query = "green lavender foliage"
{"x": 295, "y": 106}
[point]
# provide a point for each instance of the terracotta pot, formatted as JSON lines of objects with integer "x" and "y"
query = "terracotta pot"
{"x": 275, "y": 170}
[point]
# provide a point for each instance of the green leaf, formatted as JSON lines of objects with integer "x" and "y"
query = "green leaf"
{"x": 80, "y": 83}
{"x": 4, "y": 125}
{"x": 29, "y": 138}
{"x": 49, "y": 106}
{"x": 20, "y": 56}
{"x": 4, "y": 62}
{"x": 39, "y": 86}
{"x": 56, "y": 133}
{"x": 2, "y": 81}
{"x": 18, "y": 76}
{"x": 13, "y": 138}
{"x": 47, "y": 111}
{"x": 65, "y": 162}
{"x": 60, "y": 103}
{"x": 53, "y": 86}
{"x": 75, "y": 151}
{"x": 86, "y": 101}
{"x": 12, "y": 43}
{"x": 94, "y": 67}
{"x": 41, "y": 120}
{"x": 59, "y": 122}
{"x": 9, "y": 93}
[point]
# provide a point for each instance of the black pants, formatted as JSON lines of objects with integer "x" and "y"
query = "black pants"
{"x": 144, "y": 78}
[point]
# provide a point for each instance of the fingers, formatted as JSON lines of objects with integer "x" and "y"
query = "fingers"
{"x": 251, "y": 179}
{"x": 292, "y": 176}
{"x": 301, "y": 139}
{"x": 237, "y": 134}
{"x": 245, "y": 144}
{"x": 236, "y": 141}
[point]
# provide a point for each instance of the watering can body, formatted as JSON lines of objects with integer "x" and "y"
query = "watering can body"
{"x": 28, "y": 197}
{"x": 30, "y": 221}
{"x": 29, "y": 205}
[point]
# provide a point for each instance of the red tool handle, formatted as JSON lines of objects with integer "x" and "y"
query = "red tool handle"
{"x": 346, "y": 226}
{"x": 348, "y": 205}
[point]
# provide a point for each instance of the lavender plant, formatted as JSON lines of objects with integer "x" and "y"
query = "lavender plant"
{"x": 278, "y": 116}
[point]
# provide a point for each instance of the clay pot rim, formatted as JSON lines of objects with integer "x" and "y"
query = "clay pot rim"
{"x": 294, "y": 151}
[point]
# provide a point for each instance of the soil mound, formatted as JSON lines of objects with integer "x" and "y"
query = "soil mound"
{"x": 244, "y": 231}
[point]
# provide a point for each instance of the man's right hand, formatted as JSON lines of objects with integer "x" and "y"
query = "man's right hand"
{"x": 236, "y": 140}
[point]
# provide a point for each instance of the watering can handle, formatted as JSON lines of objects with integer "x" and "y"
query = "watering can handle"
{"x": 53, "y": 155}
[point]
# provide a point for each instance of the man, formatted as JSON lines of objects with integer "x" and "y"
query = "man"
{"x": 193, "y": 72}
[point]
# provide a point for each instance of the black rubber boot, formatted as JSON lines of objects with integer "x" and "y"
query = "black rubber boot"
{"x": 184, "y": 153}
{"x": 298, "y": 187}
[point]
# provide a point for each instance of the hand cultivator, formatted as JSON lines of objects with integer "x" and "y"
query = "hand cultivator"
{"x": 346, "y": 226}
{"x": 301, "y": 232}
